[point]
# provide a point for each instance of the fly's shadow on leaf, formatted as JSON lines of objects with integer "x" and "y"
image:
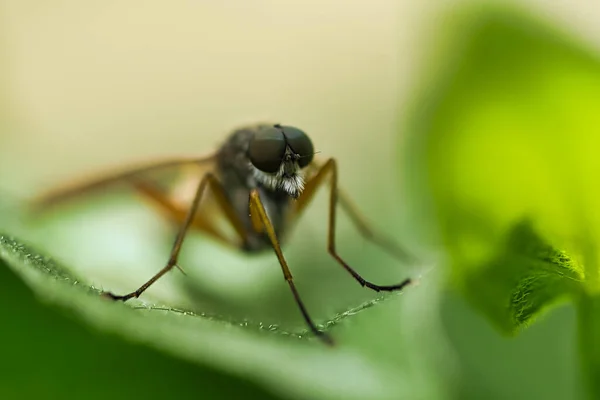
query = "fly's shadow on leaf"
{"x": 524, "y": 276}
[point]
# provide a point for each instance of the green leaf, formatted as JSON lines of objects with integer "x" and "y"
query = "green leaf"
{"x": 523, "y": 277}
{"x": 504, "y": 145}
{"x": 66, "y": 337}
{"x": 589, "y": 332}
{"x": 503, "y": 161}
{"x": 48, "y": 354}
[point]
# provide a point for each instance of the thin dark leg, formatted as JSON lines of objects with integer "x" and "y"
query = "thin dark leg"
{"x": 204, "y": 183}
{"x": 330, "y": 167}
{"x": 261, "y": 222}
{"x": 367, "y": 232}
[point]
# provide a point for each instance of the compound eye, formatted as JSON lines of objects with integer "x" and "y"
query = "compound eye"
{"x": 267, "y": 149}
{"x": 300, "y": 143}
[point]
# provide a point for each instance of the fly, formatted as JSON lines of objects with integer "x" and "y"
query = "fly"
{"x": 259, "y": 182}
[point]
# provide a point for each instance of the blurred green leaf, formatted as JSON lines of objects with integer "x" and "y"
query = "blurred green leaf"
{"x": 505, "y": 146}
{"x": 524, "y": 276}
{"x": 80, "y": 337}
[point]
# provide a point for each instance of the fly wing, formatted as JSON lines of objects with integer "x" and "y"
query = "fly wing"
{"x": 166, "y": 170}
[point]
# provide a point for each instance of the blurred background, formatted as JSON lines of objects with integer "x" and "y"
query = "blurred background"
{"x": 96, "y": 84}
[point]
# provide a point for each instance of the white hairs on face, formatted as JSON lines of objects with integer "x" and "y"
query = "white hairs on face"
{"x": 293, "y": 184}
